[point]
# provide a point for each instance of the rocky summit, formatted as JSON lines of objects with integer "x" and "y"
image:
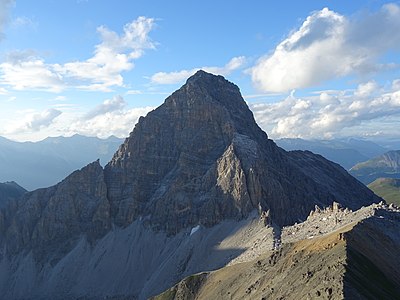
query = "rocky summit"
{"x": 184, "y": 193}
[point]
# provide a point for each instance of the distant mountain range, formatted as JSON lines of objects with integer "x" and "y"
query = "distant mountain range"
{"x": 346, "y": 152}
{"x": 44, "y": 163}
{"x": 386, "y": 165}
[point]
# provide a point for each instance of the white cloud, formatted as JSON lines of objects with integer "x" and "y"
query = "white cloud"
{"x": 113, "y": 56}
{"x": 366, "y": 89}
{"x": 109, "y": 118}
{"x": 396, "y": 85}
{"x": 329, "y": 45}
{"x": 357, "y": 112}
{"x": 134, "y": 92}
{"x": 108, "y": 106}
{"x": 31, "y": 74}
{"x": 179, "y": 76}
{"x": 60, "y": 98}
{"x": 24, "y": 22}
{"x": 33, "y": 121}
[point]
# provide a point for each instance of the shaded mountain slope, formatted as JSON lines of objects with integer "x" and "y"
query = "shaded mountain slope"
{"x": 10, "y": 191}
{"x": 198, "y": 162}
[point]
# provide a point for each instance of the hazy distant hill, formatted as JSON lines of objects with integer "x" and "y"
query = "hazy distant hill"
{"x": 388, "y": 189}
{"x": 45, "y": 163}
{"x": 386, "y": 165}
{"x": 346, "y": 152}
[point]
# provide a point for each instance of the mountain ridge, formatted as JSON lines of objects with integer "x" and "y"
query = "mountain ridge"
{"x": 342, "y": 263}
{"x": 198, "y": 161}
{"x": 55, "y": 157}
{"x": 385, "y": 165}
{"x": 345, "y": 151}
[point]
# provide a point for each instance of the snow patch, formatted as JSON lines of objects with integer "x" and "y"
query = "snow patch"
{"x": 194, "y": 229}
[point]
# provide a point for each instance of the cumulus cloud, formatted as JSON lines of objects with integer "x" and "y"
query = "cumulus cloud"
{"x": 34, "y": 121}
{"x": 112, "y": 117}
{"x": 329, "y": 45}
{"x": 108, "y": 106}
{"x": 113, "y": 56}
{"x": 179, "y": 76}
{"x": 328, "y": 114}
{"x": 31, "y": 74}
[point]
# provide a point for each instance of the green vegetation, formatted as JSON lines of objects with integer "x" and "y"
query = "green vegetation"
{"x": 385, "y": 166}
{"x": 388, "y": 189}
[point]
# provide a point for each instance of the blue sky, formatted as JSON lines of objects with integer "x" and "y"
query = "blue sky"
{"x": 310, "y": 69}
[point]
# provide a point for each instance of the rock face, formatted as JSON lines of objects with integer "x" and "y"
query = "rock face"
{"x": 386, "y": 165}
{"x": 198, "y": 161}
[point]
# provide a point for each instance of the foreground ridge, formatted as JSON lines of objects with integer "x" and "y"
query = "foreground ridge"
{"x": 342, "y": 262}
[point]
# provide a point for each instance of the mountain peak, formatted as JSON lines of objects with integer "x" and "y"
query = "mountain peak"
{"x": 210, "y": 87}
{"x": 204, "y": 76}
{"x": 201, "y": 158}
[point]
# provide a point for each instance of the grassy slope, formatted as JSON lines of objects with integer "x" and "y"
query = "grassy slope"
{"x": 388, "y": 189}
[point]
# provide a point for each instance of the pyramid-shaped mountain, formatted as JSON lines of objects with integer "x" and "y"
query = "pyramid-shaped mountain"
{"x": 197, "y": 162}
{"x": 200, "y": 158}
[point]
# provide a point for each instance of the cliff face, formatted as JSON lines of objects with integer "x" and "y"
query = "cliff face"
{"x": 197, "y": 161}
{"x": 52, "y": 219}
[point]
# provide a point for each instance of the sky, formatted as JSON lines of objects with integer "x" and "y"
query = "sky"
{"x": 307, "y": 69}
